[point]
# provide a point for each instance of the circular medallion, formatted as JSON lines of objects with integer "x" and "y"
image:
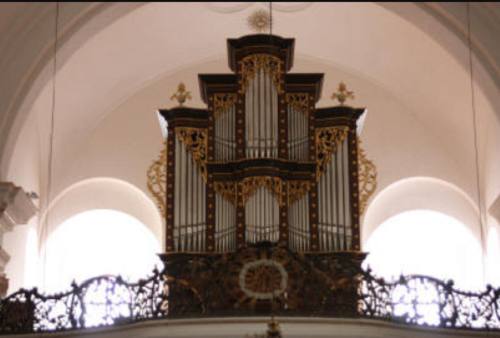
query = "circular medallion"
{"x": 263, "y": 279}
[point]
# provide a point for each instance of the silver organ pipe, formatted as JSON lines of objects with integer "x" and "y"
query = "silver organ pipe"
{"x": 225, "y": 136}
{"x": 189, "y": 205}
{"x": 225, "y": 226}
{"x": 334, "y": 226}
{"x": 225, "y": 211}
{"x": 262, "y": 217}
{"x": 299, "y": 224}
{"x": 298, "y": 141}
{"x": 261, "y": 117}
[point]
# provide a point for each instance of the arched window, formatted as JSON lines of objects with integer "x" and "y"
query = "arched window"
{"x": 429, "y": 243}
{"x": 95, "y": 243}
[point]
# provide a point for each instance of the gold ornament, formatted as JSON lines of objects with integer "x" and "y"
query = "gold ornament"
{"x": 327, "y": 141}
{"x": 299, "y": 101}
{"x": 181, "y": 95}
{"x": 342, "y": 95}
{"x": 297, "y": 190}
{"x": 367, "y": 178}
{"x": 250, "y": 185}
{"x": 228, "y": 190}
{"x": 157, "y": 180}
{"x": 251, "y": 65}
{"x": 259, "y": 21}
{"x": 223, "y": 102}
{"x": 195, "y": 141}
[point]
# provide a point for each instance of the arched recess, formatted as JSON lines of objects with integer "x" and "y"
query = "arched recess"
{"x": 421, "y": 193}
{"x": 101, "y": 193}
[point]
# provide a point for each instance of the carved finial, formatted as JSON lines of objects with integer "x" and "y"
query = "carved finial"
{"x": 181, "y": 95}
{"x": 259, "y": 21}
{"x": 342, "y": 95}
{"x": 274, "y": 329}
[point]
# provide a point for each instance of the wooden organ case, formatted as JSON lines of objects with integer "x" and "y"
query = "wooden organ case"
{"x": 262, "y": 192}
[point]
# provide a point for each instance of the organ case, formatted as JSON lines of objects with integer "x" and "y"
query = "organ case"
{"x": 261, "y": 164}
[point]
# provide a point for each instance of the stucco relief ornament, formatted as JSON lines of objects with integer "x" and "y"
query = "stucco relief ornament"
{"x": 259, "y": 21}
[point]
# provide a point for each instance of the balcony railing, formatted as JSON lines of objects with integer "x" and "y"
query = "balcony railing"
{"x": 105, "y": 301}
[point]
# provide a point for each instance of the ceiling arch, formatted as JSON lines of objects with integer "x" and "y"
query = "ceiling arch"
{"x": 104, "y": 59}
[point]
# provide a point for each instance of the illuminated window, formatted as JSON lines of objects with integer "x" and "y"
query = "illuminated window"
{"x": 429, "y": 243}
{"x": 95, "y": 243}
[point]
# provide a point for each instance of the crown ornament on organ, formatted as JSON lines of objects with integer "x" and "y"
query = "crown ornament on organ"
{"x": 343, "y": 94}
{"x": 181, "y": 95}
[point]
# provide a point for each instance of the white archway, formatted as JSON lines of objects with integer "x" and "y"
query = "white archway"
{"x": 102, "y": 193}
{"x": 421, "y": 193}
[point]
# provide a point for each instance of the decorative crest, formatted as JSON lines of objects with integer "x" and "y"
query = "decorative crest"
{"x": 343, "y": 94}
{"x": 181, "y": 95}
{"x": 259, "y": 21}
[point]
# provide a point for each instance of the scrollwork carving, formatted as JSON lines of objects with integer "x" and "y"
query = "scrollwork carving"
{"x": 223, "y": 102}
{"x": 195, "y": 141}
{"x": 299, "y": 101}
{"x": 157, "y": 180}
{"x": 251, "y": 65}
{"x": 228, "y": 190}
{"x": 367, "y": 178}
{"x": 327, "y": 141}
{"x": 297, "y": 190}
{"x": 250, "y": 185}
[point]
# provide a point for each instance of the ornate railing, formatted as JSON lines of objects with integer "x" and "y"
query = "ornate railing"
{"x": 108, "y": 300}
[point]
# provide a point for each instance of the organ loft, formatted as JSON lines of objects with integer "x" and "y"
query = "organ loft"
{"x": 262, "y": 195}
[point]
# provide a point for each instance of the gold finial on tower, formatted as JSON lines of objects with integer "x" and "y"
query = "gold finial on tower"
{"x": 181, "y": 95}
{"x": 342, "y": 95}
{"x": 259, "y": 21}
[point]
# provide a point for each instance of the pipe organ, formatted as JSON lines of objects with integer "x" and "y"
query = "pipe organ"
{"x": 259, "y": 171}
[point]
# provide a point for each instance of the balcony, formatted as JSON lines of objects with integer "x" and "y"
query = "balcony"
{"x": 413, "y": 306}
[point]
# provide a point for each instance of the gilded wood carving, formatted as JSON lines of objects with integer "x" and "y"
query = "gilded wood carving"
{"x": 195, "y": 141}
{"x": 157, "y": 179}
{"x": 223, "y": 102}
{"x": 251, "y": 65}
{"x": 250, "y": 185}
{"x": 299, "y": 101}
{"x": 228, "y": 190}
{"x": 367, "y": 178}
{"x": 327, "y": 142}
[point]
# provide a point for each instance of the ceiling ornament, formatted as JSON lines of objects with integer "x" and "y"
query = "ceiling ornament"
{"x": 367, "y": 178}
{"x": 181, "y": 95}
{"x": 157, "y": 180}
{"x": 343, "y": 94}
{"x": 259, "y": 21}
